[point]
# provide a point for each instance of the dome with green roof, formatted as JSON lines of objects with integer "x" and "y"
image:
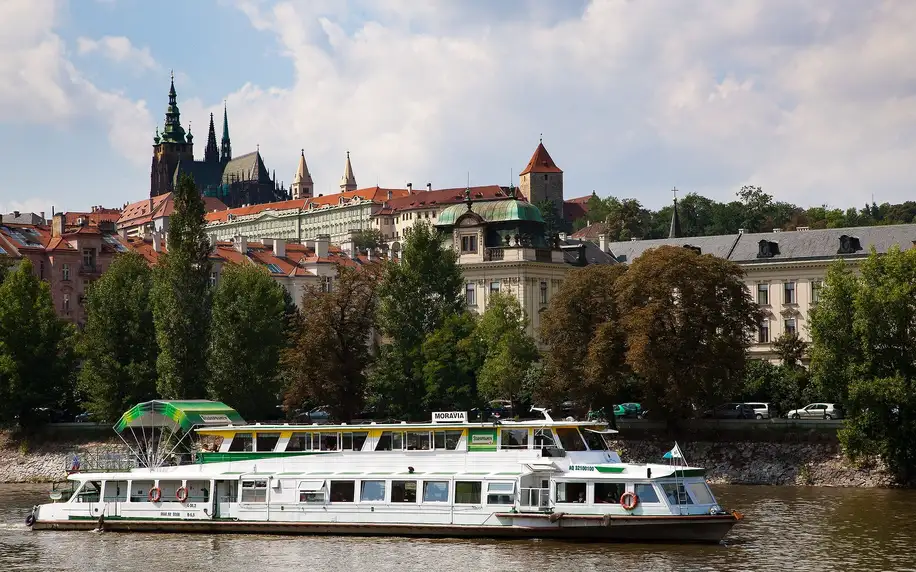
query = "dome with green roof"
{"x": 492, "y": 211}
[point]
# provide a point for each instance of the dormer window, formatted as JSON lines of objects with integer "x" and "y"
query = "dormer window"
{"x": 849, "y": 245}
{"x": 767, "y": 249}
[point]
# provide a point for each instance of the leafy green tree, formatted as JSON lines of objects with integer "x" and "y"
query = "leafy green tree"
{"x": 510, "y": 351}
{"x": 36, "y": 348}
{"x": 181, "y": 298}
{"x": 836, "y": 350}
{"x": 368, "y": 239}
{"x": 118, "y": 350}
{"x": 332, "y": 347}
{"x": 247, "y": 335}
{"x": 585, "y": 357}
{"x": 553, "y": 220}
{"x": 791, "y": 349}
{"x": 688, "y": 319}
{"x": 452, "y": 357}
{"x": 419, "y": 292}
{"x": 6, "y": 263}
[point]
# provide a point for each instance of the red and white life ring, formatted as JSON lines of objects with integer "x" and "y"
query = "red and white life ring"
{"x": 181, "y": 494}
{"x": 629, "y": 501}
{"x": 154, "y": 495}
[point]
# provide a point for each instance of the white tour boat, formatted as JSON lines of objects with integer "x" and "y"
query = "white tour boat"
{"x": 540, "y": 478}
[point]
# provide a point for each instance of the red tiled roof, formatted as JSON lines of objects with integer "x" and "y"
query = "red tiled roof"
{"x": 142, "y": 212}
{"x": 98, "y": 214}
{"x": 541, "y": 162}
{"x": 591, "y": 232}
{"x": 581, "y": 200}
{"x": 374, "y": 194}
{"x": 426, "y": 199}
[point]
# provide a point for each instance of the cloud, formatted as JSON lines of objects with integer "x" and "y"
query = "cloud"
{"x": 815, "y": 101}
{"x": 118, "y": 49}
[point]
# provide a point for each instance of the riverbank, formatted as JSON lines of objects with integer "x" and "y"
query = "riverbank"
{"x": 45, "y": 459}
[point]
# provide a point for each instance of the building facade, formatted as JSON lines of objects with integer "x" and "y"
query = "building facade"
{"x": 152, "y": 214}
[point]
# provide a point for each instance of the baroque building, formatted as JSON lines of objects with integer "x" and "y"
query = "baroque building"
{"x": 235, "y": 181}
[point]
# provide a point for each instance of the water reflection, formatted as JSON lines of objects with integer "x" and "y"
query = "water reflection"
{"x": 786, "y": 528}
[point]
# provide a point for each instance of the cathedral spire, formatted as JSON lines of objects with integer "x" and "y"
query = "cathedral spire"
{"x": 211, "y": 155}
{"x": 225, "y": 146}
{"x": 675, "y": 231}
{"x": 348, "y": 181}
{"x": 302, "y": 182}
{"x": 173, "y": 132}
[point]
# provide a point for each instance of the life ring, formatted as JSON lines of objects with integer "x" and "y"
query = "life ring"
{"x": 629, "y": 501}
{"x": 181, "y": 494}
{"x": 155, "y": 494}
{"x": 30, "y": 520}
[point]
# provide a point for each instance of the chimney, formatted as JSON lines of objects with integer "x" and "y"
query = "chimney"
{"x": 57, "y": 224}
{"x": 241, "y": 244}
{"x": 602, "y": 242}
{"x": 43, "y": 219}
{"x": 321, "y": 245}
{"x": 309, "y": 243}
{"x": 123, "y": 233}
{"x": 157, "y": 242}
{"x": 409, "y": 187}
{"x": 279, "y": 248}
{"x": 268, "y": 243}
{"x": 429, "y": 187}
{"x": 15, "y": 214}
{"x": 150, "y": 205}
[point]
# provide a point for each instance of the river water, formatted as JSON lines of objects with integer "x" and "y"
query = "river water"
{"x": 786, "y": 528}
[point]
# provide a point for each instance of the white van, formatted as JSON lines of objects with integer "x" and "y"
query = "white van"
{"x": 761, "y": 410}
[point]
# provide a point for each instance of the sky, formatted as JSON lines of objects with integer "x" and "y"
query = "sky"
{"x": 814, "y": 100}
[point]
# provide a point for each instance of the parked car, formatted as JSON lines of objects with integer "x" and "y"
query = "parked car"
{"x": 731, "y": 411}
{"x": 628, "y": 410}
{"x": 761, "y": 410}
{"x": 314, "y": 415}
{"x": 817, "y": 411}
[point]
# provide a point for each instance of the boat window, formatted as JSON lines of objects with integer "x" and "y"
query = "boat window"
{"x": 447, "y": 440}
{"x": 570, "y": 439}
{"x": 676, "y": 494}
{"x": 500, "y": 493}
{"x": 372, "y": 491}
{"x": 418, "y": 441}
{"x": 328, "y": 441}
{"x": 267, "y": 441}
{"x": 700, "y": 493}
{"x": 343, "y": 491}
{"x": 169, "y": 489}
{"x": 609, "y": 492}
{"x": 403, "y": 491}
{"x": 241, "y": 442}
{"x": 353, "y": 441}
{"x": 514, "y": 439}
{"x": 311, "y": 492}
{"x": 390, "y": 441}
{"x": 435, "y": 491}
{"x": 595, "y": 441}
{"x": 116, "y": 491}
{"x": 90, "y": 492}
{"x": 140, "y": 490}
{"x": 300, "y": 442}
{"x": 543, "y": 438}
{"x": 467, "y": 492}
{"x": 646, "y": 493}
{"x": 571, "y": 492}
{"x": 253, "y": 491}
{"x": 199, "y": 491}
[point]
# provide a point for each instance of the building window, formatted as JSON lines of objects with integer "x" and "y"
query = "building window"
{"x": 470, "y": 295}
{"x": 469, "y": 243}
{"x": 763, "y": 294}
{"x": 791, "y": 326}
{"x": 816, "y": 291}
{"x": 213, "y": 277}
{"x": 763, "y": 332}
{"x": 65, "y": 272}
{"x": 89, "y": 258}
{"x": 66, "y": 303}
{"x": 494, "y": 287}
{"x": 41, "y": 269}
{"x": 788, "y": 293}
{"x": 543, "y": 292}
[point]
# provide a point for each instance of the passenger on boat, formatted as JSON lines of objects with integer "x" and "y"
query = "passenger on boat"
{"x": 581, "y": 497}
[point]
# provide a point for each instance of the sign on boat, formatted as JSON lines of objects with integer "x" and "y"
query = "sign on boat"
{"x": 538, "y": 477}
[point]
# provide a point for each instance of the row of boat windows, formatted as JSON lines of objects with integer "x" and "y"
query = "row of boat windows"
{"x": 394, "y": 491}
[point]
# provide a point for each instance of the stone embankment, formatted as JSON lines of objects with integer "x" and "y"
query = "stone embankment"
{"x": 46, "y": 458}
{"x": 803, "y": 464}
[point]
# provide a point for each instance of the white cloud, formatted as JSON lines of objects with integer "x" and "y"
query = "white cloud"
{"x": 118, "y": 49}
{"x": 815, "y": 101}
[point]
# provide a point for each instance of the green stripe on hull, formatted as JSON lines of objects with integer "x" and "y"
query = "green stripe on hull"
{"x": 614, "y": 470}
{"x": 251, "y": 456}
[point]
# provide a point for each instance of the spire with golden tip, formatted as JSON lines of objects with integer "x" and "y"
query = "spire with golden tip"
{"x": 348, "y": 181}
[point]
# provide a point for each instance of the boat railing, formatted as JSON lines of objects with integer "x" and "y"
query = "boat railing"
{"x": 537, "y": 498}
{"x": 107, "y": 459}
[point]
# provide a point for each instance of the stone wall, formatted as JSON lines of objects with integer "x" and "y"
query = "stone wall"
{"x": 45, "y": 458}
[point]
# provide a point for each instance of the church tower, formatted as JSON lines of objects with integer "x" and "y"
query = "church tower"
{"x": 211, "y": 155}
{"x": 225, "y": 149}
{"x": 169, "y": 148}
{"x": 542, "y": 180}
{"x": 348, "y": 181}
{"x": 302, "y": 187}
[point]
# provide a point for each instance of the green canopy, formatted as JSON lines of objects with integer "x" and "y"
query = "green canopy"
{"x": 185, "y": 415}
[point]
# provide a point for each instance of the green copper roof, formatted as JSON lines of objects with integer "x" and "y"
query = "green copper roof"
{"x": 184, "y": 414}
{"x": 492, "y": 211}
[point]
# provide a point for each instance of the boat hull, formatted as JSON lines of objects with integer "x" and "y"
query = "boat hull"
{"x": 671, "y": 529}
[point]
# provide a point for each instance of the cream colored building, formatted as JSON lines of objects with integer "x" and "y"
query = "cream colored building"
{"x": 784, "y": 271}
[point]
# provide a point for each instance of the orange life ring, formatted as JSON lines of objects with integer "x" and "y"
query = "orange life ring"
{"x": 154, "y": 495}
{"x": 181, "y": 494}
{"x": 629, "y": 501}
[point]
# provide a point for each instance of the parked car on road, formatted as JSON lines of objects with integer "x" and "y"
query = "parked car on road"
{"x": 761, "y": 410}
{"x": 731, "y": 411}
{"x": 817, "y": 411}
{"x": 628, "y": 410}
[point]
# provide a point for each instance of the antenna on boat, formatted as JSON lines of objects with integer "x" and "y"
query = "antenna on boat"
{"x": 544, "y": 411}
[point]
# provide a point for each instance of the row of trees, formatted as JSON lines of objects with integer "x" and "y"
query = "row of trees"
{"x": 754, "y": 210}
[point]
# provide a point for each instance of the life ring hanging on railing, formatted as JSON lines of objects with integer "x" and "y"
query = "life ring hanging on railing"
{"x": 629, "y": 501}
{"x": 181, "y": 494}
{"x": 155, "y": 494}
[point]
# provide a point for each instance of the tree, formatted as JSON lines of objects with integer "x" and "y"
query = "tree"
{"x": 688, "y": 319}
{"x": 790, "y": 348}
{"x": 118, "y": 350}
{"x": 835, "y": 347}
{"x": 36, "y": 348}
{"x": 510, "y": 351}
{"x": 181, "y": 298}
{"x": 585, "y": 359}
{"x": 452, "y": 357}
{"x": 553, "y": 221}
{"x": 368, "y": 239}
{"x": 6, "y": 264}
{"x": 418, "y": 293}
{"x": 331, "y": 349}
{"x": 247, "y": 335}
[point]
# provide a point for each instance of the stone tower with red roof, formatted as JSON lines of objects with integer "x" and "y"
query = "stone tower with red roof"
{"x": 542, "y": 180}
